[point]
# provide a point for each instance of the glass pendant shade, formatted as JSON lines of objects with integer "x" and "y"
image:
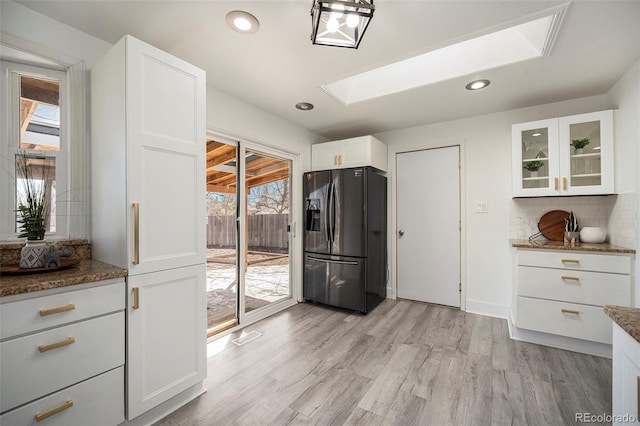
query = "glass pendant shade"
{"x": 340, "y": 23}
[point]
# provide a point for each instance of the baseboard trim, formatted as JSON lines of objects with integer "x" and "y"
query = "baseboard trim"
{"x": 161, "y": 411}
{"x": 487, "y": 309}
{"x": 559, "y": 342}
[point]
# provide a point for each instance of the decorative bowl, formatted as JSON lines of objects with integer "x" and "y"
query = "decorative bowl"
{"x": 592, "y": 234}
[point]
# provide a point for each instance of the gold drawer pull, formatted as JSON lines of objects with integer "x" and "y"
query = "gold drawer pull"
{"x": 570, "y": 261}
{"x": 136, "y": 233}
{"x": 42, "y": 416}
{"x": 569, "y": 311}
{"x": 65, "y": 342}
{"x": 136, "y": 298}
{"x": 45, "y": 312}
{"x": 566, "y": 277}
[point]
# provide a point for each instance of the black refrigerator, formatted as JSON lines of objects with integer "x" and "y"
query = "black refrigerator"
{"x": 345, "y": 238}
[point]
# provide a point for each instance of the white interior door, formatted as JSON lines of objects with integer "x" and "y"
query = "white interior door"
{"x": 428, "y": 225}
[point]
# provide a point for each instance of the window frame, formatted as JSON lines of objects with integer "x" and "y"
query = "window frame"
{"x": 10, "y": 115}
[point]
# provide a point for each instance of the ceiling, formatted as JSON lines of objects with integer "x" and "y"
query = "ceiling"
{"x": 278, "y": 66}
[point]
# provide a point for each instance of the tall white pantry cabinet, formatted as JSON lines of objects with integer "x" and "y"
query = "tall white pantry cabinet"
{"x": 148, "y": 141}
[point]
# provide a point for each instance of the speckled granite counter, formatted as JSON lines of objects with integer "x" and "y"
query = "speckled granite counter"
{"x": 559, "y": 245}
{"x": 85, "y": 272}
{"x": 627, "y": 318}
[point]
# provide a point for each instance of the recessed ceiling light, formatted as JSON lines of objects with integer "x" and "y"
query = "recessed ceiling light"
{"x": 304, "y": 106}
{"x": 242, "y": 22}
{"x": 478, "y": 84}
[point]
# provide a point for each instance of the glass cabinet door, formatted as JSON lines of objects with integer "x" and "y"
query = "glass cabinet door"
{"x": 535, "y": 158}
{"x": 587, "y": 143}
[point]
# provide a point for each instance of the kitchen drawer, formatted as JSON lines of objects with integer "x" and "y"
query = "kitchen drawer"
{"x": 97, "y": 401}
{"x": 40, "y": 313}
{"x": 591, "y": 288}
{"x": 589, "y": 323}
{"x": 612, "y": 263}
{"x": 28, "y": 373}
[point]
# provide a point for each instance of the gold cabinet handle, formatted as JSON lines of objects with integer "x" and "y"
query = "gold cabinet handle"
{"x": 555, "y": 183}
{"x": 136, "y": 233}
{"x": 65, "y": 342}
{"x": 42, "y": 416}
{"x": 570, "y": 261}
{"x": 564, "y": 183}
{"x": 335, "y": 160}
{"x": 569, "y": 311}
{"x": 570, "y": 278}
{"x": 136, "y": 298}
{"x": 45, "y": 312}
{"x": 340, "y": 159}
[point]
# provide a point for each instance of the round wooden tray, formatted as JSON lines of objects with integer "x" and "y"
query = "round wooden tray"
{"x": 17, "y": 270}
{"x": 552, "y": 224}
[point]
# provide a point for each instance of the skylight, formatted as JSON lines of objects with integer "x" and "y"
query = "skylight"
{"x": 522, "y": 42}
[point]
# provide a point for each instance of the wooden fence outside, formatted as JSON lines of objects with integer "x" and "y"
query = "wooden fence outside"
{"x": 267, "y": 232}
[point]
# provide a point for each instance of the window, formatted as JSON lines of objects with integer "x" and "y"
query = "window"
{"x": 34, "y": 114}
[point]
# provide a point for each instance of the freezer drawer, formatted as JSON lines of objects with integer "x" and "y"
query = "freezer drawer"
{"x": 335, "y": 281}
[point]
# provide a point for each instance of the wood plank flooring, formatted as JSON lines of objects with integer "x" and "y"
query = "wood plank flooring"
{"x": 406, "y": 363}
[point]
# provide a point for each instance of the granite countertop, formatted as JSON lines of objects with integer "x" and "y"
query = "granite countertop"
{"x": 85, "y": 272}
{"x": 559, "y": 245}
{"x": 627, "y": 318}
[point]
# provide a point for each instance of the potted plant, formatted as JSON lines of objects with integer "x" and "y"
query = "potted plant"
{"x": 33, "y": 207}
{"x": 533, "y": 167}
{"x": 579, "y": 144}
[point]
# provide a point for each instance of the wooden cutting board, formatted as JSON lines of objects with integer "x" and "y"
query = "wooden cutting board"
{"x": 552, "y": 224}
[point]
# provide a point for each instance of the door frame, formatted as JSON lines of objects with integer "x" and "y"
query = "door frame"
{"x": 392, "y": 286}
{"x": 295, "y": 236}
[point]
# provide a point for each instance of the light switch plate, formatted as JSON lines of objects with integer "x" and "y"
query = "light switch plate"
{"x": 482, "y": 207}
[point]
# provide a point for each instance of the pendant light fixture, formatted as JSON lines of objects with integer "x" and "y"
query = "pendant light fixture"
{"x": 340, "y": 23}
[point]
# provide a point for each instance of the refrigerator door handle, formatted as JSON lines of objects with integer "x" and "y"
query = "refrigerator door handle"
{"x": 330, "y": 212}
{"x": 326, "y": 214}
{"x": 340, "y": 262}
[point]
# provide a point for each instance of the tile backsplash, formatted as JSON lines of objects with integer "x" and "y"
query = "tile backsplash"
{"x": 616, "y": 214}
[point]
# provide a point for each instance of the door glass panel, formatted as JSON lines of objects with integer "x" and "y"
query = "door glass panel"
{"x": 585, "y": 153}
{"x": 535, "y": 158}
{"x": 268, "y": 189}
{"x": 222, "y": 285}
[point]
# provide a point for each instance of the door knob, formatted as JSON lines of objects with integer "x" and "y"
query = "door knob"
{"x": 401, "y": 232}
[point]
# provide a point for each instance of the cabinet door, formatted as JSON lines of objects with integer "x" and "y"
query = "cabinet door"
{"x": 324, "y": 156}
{"x": 166, "y": 142}
{"x": 535, "y": 161}
{"x": 586, "y": 170}
{"x": 626, "y": 378}
{"x": 166, "y": 335}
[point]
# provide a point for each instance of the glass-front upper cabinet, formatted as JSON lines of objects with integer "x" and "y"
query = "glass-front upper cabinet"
{"x": 563, "y": 156}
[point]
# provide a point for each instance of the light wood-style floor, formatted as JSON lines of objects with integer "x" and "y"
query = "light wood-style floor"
{"x": 406, "y": 363}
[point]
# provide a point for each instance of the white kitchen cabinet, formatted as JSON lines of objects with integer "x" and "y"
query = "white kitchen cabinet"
{"x": 62, "y": 357}
{"x": 148, "y": 145}
{"x": 563, "y": 292}
{"x": 355, "y": 152}
{"x": 626, "y": 378}
{"x": 564, "y": 170}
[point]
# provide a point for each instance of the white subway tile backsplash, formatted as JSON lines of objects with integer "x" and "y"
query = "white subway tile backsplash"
{"x": 616, "y": 214}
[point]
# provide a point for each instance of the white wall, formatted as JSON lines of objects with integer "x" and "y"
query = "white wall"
{"x": 625, "y": 96}
{"x": 486, "y": 170}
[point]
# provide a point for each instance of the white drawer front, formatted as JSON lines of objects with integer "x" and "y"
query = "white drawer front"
{"x": 97, "y": 401}
{"x": 591, "y": 288}
{"x": 617, "y": 264}
{"x": 27, "y": 316}
{"x": 589, "y": 323}
{"x": 28, "y": 373}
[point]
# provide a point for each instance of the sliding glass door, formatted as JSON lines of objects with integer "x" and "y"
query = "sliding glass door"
{"x": 249, "y": 193}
